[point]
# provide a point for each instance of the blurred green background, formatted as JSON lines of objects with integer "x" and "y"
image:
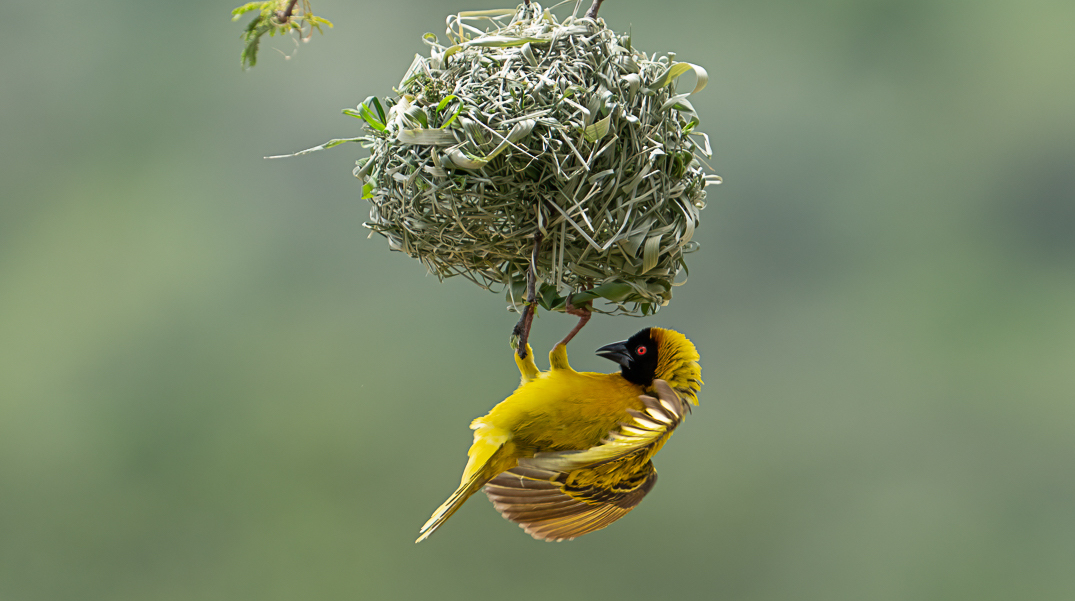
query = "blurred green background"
{"x": 212, "y": 386}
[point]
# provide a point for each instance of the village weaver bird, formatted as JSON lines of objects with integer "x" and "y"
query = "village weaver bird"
{"x": 571, "y": 452}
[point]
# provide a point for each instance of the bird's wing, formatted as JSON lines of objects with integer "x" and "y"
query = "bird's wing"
{"x": 644, "y": 433}
{"x": 550, "y": 510}
{"x": 565, "y": 494}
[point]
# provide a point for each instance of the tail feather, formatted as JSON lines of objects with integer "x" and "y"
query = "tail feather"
{"x": 486, "y": 457}
{"x": 450, "y": 506}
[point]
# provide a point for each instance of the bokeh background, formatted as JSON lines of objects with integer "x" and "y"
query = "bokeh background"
{"x": 212, "y": 386}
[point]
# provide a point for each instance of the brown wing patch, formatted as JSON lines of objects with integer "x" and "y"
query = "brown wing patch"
{"x": 565, "y": 494}
{"x": 552, "y": 511}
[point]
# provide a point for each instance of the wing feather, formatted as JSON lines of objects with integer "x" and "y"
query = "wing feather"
{"x": 565, "y": 494}
{"x": 640, "y": 434}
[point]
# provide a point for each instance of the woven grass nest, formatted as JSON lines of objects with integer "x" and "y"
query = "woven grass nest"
{"x": 530, "y": 129}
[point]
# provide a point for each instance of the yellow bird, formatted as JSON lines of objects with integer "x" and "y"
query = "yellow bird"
{"x": 570, "y": 452}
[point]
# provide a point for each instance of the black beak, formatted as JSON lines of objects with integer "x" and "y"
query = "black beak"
{"x": 615, "y": 352}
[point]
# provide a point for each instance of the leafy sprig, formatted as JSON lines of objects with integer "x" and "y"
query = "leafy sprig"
{"x": 275, "y": 17}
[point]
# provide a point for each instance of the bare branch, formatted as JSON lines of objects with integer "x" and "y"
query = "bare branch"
{"x": 596, "y": 6}
{"x": 285, "y": 15}
{"x": 522, "y": 329}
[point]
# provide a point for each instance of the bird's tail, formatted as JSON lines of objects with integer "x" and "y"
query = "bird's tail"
{"x": 486, "y": 456}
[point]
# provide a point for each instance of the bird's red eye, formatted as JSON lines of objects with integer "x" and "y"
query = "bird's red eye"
{"x": 641, "y": 351}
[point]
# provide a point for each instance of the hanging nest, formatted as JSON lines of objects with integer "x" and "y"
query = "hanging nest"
{"x": 536, "y": 125}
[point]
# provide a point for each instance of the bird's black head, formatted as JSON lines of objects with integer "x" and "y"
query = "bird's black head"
{"x": 637, "y": 357}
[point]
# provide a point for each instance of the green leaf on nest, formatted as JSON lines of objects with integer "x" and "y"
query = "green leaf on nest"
{"x": 678, "y": 69}
{"x": 598, "y": 130}
{"x": 324, "y": 146}
{"x": 432, "y": 137}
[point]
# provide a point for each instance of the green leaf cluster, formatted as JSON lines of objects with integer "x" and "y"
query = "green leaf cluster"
{"x": 270, "y": 20}
{"x": 550, "y": 298}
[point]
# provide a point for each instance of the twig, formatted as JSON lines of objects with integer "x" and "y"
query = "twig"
{"x": 596, "y": 6}
{"x": 285, "y": 15}
{"x": 522, "y": 329}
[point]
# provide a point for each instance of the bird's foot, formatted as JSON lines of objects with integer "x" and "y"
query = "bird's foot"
{"x": 520, "y": 334}
{"x": 583, "y": 312}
